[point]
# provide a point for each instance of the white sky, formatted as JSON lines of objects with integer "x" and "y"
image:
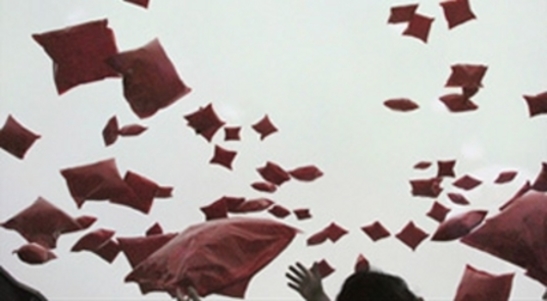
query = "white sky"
{"x": 320, "y": 70}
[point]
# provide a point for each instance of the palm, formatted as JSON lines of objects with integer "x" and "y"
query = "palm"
{"x": 306, "y": 282}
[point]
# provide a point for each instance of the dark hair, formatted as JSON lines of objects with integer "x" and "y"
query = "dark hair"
{"x": 375, "y": 286}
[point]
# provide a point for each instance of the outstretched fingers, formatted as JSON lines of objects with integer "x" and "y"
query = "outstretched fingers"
{"x": 307, "y": 282}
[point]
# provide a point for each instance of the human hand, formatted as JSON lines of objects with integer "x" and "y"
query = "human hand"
{"x": 307, "y": 282}
{"x": 191, "y": 294}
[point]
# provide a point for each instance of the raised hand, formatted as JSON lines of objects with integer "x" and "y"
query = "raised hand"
{"x": 191, "y": 294}
{"x": 307, "y": 282}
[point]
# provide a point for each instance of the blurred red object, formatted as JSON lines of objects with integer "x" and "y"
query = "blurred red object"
{"x": 219, "y": 256}
{"x": 517, "y": 234}
{"x": 479, "y": 285}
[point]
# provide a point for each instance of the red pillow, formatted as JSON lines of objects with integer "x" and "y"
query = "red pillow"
{"x": 16, "y": 139}
{"x": 96, "y": 181}
{"x": 479, "y": 285}
{"x": 517, "y": 234}
{"x": 42, "y": 223}
{"x": 150, "y": 81}
{"x": 79, "y": 53}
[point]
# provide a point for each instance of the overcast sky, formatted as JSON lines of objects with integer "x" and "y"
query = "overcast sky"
{"x": 321, "y": 71}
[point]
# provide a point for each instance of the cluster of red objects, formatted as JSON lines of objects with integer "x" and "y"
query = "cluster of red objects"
{"x": 456, "y": 12}
{"x": 511, "y": 234}
{"x": 87, "y": 53}
{"x": 411, "y": 235}
{"x": 467, "y": 77}
{"x": 112, "y": 131}
{"x": 515, "y": 234}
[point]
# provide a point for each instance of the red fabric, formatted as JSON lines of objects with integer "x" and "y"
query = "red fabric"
{"x": 468, "y": 92}
{"x": 96, "y": 181}
{"x": 219, "y": 256}
{"x": 446, "y": 168}
{"x": 141, "y": 3}
{"x": 141, "y": 194}
{"x": 438, "y": 211}
{"x": 264, "y": 127}
{"x": 232, "y": 133}
{"x": 467, "y": 182}
{"x": 223, "y": 157}
{"x": 217, "y": 209}
{"x": 279, "y": 211}
{"x": 302, "y": 213}
{"x": 458, "y": 198}
{"x": 132, "y": 130}
{"x": 505, "y": 177}
{"x": 522, "y": 190}
{"x": 517, "y": 234}
{"x": 540, "y": 183}
{"x": 85, "y": 221}
{"x": 16, "y": 139}
{"x": 402, "y": 13}
{"x": 457, "y": 12}
{"x": 79, "y": 53}
{"x": 155, "y": 229}
{"x": 333, "y": 232}
{"x": 324, "y": 268}
{"x": 110, "y": 131}
{"x": 426, "y": 187}
{"x": 150, "y": 81}
{"x": 164, "y": 192}
{"x": 108, "y": 251}
{"x": 232, "y": 203}
{"x": 361, "y": 264}
{"x": 482, "y": 286}
{"x": 422, "y": 165}
{"x": 253, "y": 205}
{"x": 137, "y": 249}
{"x": 221, "y": 207}
{"x": 100, "y": 243}
{"x": 273, "y": 173}
{"x": 419, "y": 27}
{"x": 306, "y": 173}
{"x": 33, "y": 253}
{"x": 457, "y": 103}
{"x": 264, "y": 186}
{"x": 537, "y": 104}
{"x": 93, "y": 240}
{"x": 459, "y": 225}
{"x": 466, "y": 75}
{"x": 411, "y": 235}
{"x": 401, "y": 104}
{"x": 205, "y": 122}
{"x": 376, "y": 231}
{"x": 42, "y": 223}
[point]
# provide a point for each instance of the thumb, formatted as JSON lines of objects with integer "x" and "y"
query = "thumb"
{"x": 193, "y": 294}
{"x": 315, "y": 270}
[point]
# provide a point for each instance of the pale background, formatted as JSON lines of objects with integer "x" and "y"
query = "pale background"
{"x": 320, "y": 70}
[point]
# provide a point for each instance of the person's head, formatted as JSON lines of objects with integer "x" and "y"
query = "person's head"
{"x": 375, "y": 286}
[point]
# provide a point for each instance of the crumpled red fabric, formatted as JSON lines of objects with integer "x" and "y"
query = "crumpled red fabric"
{"x": 42, "y": 223}
{"x": 33, "y": 253}
{"x": 517, "y": 234}
{"x": 219, "y": 256}
{"x": 479, "y": 285}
